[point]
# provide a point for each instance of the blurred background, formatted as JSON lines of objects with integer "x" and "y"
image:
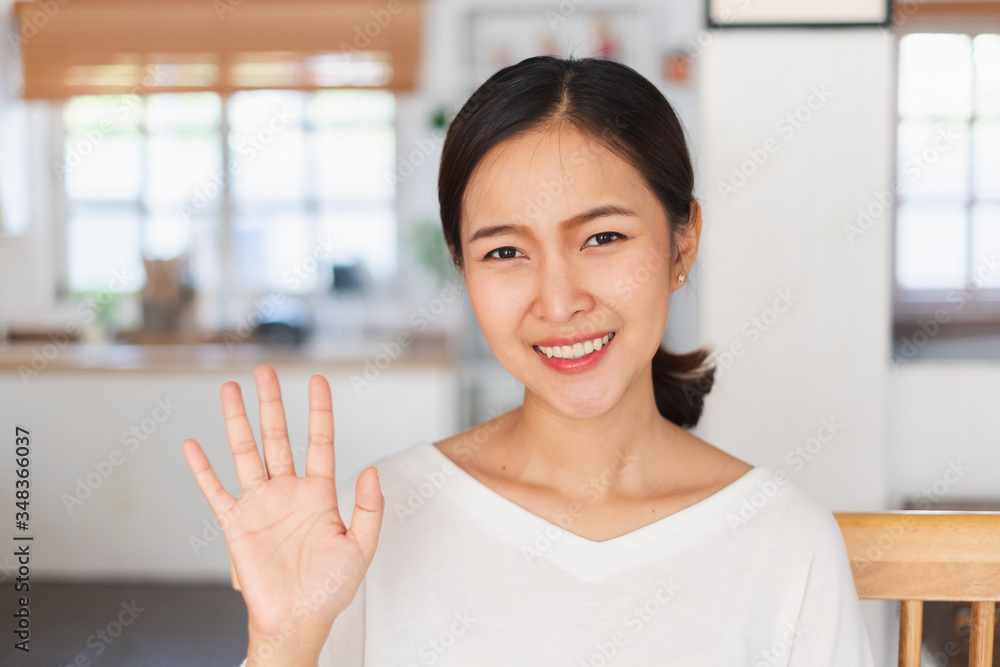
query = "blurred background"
{"x": 190, "y": 188}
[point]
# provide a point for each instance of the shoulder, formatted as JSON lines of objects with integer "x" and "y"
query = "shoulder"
{"x": 772, "y": 507}
{"x": 757, "y": 493}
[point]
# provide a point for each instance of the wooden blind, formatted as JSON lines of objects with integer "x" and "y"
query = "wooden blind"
{"x": 946, "y": 14}
{"x": 87, "y": 47}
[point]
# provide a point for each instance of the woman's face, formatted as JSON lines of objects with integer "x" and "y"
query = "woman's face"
{"x": 562, "y": 242}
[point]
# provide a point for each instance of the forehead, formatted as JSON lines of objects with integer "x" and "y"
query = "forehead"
{"x": 548, "y": 173}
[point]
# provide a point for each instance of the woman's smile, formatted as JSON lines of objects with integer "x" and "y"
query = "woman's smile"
{"x": 575, "y": 357}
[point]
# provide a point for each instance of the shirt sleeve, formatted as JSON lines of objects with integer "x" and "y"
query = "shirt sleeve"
{"x": 345, "y": 647}
{"x": 830, "y": 630}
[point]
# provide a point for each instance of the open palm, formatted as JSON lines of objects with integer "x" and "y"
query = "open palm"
{"x": 297, "y": 563}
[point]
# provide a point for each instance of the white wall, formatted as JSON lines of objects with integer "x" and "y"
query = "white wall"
{"x": 943, "y": 413}
{"x": 826, "y": 356}
{"x": 139, "y": 509}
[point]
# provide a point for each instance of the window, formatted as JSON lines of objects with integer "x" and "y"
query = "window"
{"x": 249, "y": 186}
{"x": 948, "y": 178}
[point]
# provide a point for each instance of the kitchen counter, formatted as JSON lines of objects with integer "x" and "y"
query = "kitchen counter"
{"x": 346, "y": 354}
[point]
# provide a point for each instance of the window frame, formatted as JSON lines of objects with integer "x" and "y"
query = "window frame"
{"x": 979, "y": 306}
{"x": 229, "y": 285}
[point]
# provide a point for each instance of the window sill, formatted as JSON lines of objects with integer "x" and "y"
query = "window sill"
{"x": 948, "y": 341}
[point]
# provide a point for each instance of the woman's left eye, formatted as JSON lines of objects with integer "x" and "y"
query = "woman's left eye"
{"x": 604, "y": 238}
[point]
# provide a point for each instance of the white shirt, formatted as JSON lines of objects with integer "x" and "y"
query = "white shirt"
{"x": 756, "y": 574}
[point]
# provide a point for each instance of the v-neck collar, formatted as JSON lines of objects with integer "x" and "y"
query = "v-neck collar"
{"x": 537, "y": 537}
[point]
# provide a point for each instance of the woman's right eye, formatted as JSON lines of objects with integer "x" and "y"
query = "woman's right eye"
{"x": 505, "y": 253}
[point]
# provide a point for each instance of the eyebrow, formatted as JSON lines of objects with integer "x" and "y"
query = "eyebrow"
{"x": 488, "y": 231}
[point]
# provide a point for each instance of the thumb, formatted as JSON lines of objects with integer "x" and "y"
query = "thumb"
{"x": 366, "y": 521}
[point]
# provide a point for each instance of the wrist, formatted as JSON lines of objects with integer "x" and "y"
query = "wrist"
{"x": 265, "y": 655}
{"x": 294, "y": 647}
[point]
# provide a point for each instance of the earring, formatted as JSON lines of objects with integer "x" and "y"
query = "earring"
{"x": 680, "y": 279}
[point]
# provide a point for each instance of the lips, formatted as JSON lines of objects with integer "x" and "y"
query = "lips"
{"x": 575, "y": 358}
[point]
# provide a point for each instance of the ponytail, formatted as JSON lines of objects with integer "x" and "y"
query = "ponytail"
{"x": 680, "y": 383}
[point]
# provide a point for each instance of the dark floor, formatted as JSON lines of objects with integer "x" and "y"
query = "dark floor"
{"x": 132, "y": 625}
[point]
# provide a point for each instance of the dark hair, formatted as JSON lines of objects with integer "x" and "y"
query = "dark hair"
{"x": 619, "y": 108}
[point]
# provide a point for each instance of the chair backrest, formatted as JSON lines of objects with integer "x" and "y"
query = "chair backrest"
{"x": 913, "y": 556}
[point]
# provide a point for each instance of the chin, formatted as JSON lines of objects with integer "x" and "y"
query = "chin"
{"x": 581, "y": 406}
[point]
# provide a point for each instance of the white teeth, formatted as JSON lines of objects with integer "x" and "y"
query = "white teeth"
{"x": 576, "y": 350}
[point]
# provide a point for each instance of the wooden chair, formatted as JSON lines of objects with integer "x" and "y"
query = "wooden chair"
{"x": 913, "y": 556}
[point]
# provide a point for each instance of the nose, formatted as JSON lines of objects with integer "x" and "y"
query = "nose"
{"x": 560, "y": 289}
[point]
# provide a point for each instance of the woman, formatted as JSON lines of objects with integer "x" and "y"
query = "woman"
{"x": 587, "y": 526}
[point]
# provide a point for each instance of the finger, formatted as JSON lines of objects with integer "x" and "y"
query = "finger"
{"x": 218, "y": 498}
{"x": 273, "y": 429}
{"x": 249, "y": 467}
{"x": 366, "y": 521}
{"x": 320, "y": 460}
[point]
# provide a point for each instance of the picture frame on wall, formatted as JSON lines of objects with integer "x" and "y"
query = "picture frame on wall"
{"x": 798, "y": 13}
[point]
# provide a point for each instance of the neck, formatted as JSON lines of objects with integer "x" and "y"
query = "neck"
{"x": 618, "y": 453}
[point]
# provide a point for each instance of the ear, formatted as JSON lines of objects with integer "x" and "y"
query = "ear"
{"x": 687, "y": 247}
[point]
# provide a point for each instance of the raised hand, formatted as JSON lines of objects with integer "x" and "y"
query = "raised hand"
{"x": 297, "y": 563}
